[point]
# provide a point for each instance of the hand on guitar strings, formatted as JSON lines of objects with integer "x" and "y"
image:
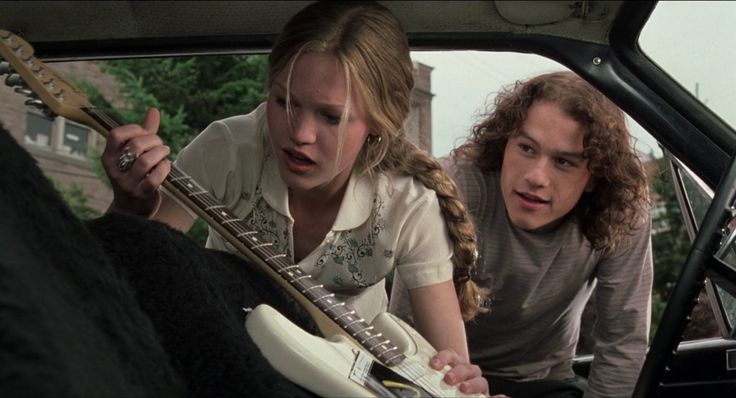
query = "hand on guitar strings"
{"x": 466, "y": 376}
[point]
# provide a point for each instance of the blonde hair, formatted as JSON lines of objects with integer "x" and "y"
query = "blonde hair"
{"x": 369, "y": 43}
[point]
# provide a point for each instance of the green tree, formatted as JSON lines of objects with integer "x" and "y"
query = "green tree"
{"x": 670, "y": 242}
{"x": 75, "y": 198}
{"x": 190, "y": 92}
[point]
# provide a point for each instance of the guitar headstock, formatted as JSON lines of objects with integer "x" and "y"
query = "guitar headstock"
{"x": 46, "y": 89}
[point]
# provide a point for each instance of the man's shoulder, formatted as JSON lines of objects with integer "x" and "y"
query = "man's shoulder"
{"x": 462, "y": 169}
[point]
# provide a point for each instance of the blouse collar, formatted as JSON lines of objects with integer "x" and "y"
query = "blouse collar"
{"x": 355, "y": 207}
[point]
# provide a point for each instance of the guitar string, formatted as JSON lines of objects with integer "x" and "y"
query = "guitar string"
{"x": 304, "y": 282}
{"x": 271, "y": 256}
{"x": 301, "y": 280}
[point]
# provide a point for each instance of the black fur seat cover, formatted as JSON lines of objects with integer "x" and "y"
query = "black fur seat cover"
{"x": 195, "y": 298}
{"x": 120, "y": 307}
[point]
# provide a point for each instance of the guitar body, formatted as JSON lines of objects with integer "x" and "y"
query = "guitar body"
{"x": 387, "y": 358}
{"x": 337, "y": 367}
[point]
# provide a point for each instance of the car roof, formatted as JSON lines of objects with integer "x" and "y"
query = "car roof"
{"x": 596, "y": 39}
{"x": 77, "y": 29}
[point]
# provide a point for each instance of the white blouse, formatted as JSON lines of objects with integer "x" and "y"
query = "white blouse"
{"x": 385, "y": 222}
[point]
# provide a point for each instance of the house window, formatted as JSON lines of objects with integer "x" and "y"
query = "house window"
{"x": 75, "y": 140}
{"x": 38, "y": 130}
{"x": 58, "y": 135}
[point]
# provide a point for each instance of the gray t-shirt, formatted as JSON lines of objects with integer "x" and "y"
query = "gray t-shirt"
{"x": 540, "y": 283}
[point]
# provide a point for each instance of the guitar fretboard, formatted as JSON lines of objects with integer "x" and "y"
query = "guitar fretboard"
{"x": 382, "y": 348}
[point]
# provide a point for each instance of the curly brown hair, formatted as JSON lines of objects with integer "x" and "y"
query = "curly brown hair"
{"x": 620, "y": 198}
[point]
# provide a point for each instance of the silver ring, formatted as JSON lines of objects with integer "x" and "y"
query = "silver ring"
{"x": 126, "y": 159}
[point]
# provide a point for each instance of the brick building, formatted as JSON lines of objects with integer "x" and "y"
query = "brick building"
{"x": 62, "y": 148}
{"x": 65, "y": 150}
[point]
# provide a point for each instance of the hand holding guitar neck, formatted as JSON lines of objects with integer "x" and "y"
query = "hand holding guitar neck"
{"x": 387, "y": 358}
{"x": 136, "y": 163}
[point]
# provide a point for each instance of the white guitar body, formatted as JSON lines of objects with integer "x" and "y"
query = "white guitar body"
{"x": 337, "y": 367}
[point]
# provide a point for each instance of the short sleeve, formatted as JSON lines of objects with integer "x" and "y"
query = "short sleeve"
{"x": 226, "y": 157}
{"x": 425, "y": 249}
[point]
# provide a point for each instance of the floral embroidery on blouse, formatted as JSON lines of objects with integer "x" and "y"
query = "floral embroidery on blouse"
{"x": 271, "y": 227}
{"x": 349, "y": 251}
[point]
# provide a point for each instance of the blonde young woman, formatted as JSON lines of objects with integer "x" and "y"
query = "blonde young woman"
{"x": 324, "y": 171}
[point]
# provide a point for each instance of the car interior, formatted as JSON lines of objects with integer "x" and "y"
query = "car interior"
{"x": 602, "y": 41}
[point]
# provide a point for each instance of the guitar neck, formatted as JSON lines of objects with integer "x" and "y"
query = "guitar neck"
{"x": 299, "y": 284}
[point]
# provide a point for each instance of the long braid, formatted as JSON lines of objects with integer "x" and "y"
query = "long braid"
{"x": 371, "y": 44}
{"x": 462, "y": 232}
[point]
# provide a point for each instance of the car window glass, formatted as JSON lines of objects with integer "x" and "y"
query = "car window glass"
{"x": 728, "y": 301}
{"x": 693, "y": 203}
{"x": 693, "y": 42}
{"x": 726, "y": 254}
{"x": 463, "y": 85}
{"x": 699, "y": 195}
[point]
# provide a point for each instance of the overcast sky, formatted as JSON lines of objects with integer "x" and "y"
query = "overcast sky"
{"x": 693, "y": 41}
{"x": 465, "y": 83}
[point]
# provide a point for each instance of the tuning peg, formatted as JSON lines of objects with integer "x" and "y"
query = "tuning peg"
{"x": 5, "y": 68}
{"x": 13, "y": 79}
{"x": 35, "y": 102}
{"x": 23, "y": 90}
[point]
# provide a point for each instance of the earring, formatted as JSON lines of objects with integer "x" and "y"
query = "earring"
{"x": 374, "y": 139}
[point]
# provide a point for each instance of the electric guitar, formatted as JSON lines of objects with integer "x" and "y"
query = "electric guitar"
{"x": 386, "y": 359}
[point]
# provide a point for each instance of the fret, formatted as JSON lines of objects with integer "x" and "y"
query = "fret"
{"x": 299, "y": 278}
{"x": 356, "y": 322}
{"x": 326, "y": 296}
{"x": 260, "y": 246}
{"x": 371, "y": 337}
{"x": 290, "y": 267}
{"x": 275, "y": 256}
{"x": 337, "y": 310}
{"x": 292, "y": 273}
{"x": 385, "y": 344}
{"x": 313, "y": 287}
{"x": 215, "y": 206}
{"x": 347, "y": 314}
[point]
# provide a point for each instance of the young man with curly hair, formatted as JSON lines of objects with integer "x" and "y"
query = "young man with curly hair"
{"x": 560, "y": 204}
